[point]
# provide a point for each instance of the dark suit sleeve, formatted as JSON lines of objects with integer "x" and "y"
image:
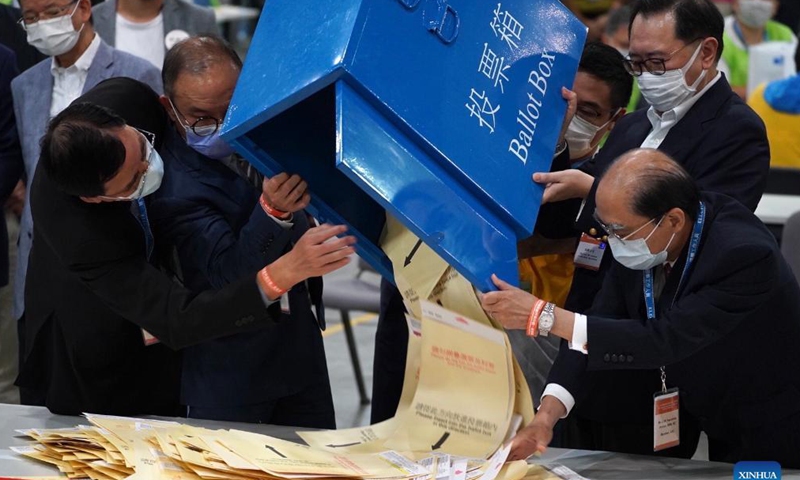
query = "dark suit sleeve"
{"x": 11, "y": 164}
{"x": 103, "y": 247}
{"x": 140, "y": 293}
{"x": 556, "y": 220}
{"x": 729, "y": 293}
{"x": 569, "y": 369}
{"x": 204, "y": 237}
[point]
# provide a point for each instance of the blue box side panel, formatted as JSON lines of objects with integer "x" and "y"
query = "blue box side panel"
{"x": 415, "y": 189}
{"x": 302, "y": 140}
{"x": 467, "y": 101}
{"x": 297, "y": 49}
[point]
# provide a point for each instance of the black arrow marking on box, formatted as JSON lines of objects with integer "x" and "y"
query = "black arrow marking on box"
{"x": 438, "y": 444}
{"x": 276, "y": 451}
{"x": 413, "y": 252}
{"x": 343, "y": 445}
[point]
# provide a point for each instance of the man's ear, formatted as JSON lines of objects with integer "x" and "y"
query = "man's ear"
{"x": 676, "y": 218}
{"x": 164, "y": 101}
{"x": 621, "y": 113}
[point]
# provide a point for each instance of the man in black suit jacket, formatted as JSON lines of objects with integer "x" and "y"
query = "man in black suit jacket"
{"x": 214, "y": 217}
{"x": 93, "y": 300}
{"x": 700, "y": 290}
{"x": 698, "y": 120}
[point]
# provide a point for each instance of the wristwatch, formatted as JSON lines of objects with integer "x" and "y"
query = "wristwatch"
{"x": 547, "y": 318}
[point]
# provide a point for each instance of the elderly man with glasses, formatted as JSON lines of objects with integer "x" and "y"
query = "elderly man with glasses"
{"x": 223, "y": 219}
{"x": 699, "y": 306}
{"x": 695, "y": 117}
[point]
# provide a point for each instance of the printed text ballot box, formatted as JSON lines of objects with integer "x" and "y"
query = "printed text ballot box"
{"x": 437, "y": 111}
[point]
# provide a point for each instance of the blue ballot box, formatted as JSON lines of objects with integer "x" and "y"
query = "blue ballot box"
{"x": 438, "y": 111}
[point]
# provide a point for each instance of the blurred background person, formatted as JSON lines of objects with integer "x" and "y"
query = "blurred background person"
{"x": 615, "y": 35}
{"x": 750, "y": 24}
{"x": 778, "y": 105}
{"x": 148, "y": 28}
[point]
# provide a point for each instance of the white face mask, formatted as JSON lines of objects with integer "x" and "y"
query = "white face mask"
{"x": 580, "y": 134}
{"x": 54, "y": 36}
{"x": 667, "y": 91}
{"x": 151, "y": 179}
{"x": 755, "y": 13}
{"x": 635, "y": 254}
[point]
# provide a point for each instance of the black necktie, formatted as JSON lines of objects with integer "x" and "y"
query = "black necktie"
{"x": 244, "y": 169}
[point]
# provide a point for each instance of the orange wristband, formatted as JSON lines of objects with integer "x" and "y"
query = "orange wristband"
{"x": 533, "y": 318}
{"x": 271, "y": 211}
{"x": 268, "y": 285}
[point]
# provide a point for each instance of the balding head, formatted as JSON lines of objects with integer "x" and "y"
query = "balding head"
{"x": 651, "y": 183}
{"x": 646, "y": 194}
{"x": 195, "y": 56}
{"x": 200, "y": 74}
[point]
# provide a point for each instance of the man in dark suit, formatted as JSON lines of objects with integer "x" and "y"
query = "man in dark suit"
{"x": 699, "y": 298}
{"x": 224, "y": 226}
{"x": 697, "y": 119}
{"x": 702, "y": 124}
{"x": 102, "y": 321}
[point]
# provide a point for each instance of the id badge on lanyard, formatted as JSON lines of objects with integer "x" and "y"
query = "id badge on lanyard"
{"x": 666, "y": 402}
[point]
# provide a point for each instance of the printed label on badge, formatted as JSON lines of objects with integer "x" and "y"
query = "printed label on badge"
{"x": 285, "y": 304}
{"x": 590, "y": 252}
{"x": 148, "y": 338}
{"x": 666, "y": 420}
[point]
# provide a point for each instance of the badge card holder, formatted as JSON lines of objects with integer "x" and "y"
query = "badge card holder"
{"x": 666, "y": 417}
{"x": 590, "y": 252}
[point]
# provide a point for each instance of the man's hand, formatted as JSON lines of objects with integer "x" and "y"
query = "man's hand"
{"x": 538, "y": 435}
{"x": 510, "y": 306}
{"x": 531, "y": 439}
{"x": 319, "y": 251}
{"x": 572, "y": 106}
{"x": 564, "y": 185}
{"x": 286, "y": 193}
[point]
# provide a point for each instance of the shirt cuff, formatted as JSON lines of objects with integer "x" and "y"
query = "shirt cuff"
{"x": 267, "y": 301}
{"x": 580, "y": 336}
{"x": 560, "y": 393}
{"x": 286, "y": 224}
{"x": 580, "y": 210}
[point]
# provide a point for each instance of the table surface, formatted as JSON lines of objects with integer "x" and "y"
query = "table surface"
{"x": 774, "y": 209}
{"x": 592, "y": 465}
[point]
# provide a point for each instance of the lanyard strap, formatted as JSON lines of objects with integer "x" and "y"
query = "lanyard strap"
{"x": 649, "y": 299}
{"x": 694, "y": 245}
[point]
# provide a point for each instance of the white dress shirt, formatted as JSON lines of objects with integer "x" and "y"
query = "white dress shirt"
{"x": 145, "y": 39}
{"x": 661, "y": 124}
{"x": 68, "y": 82}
